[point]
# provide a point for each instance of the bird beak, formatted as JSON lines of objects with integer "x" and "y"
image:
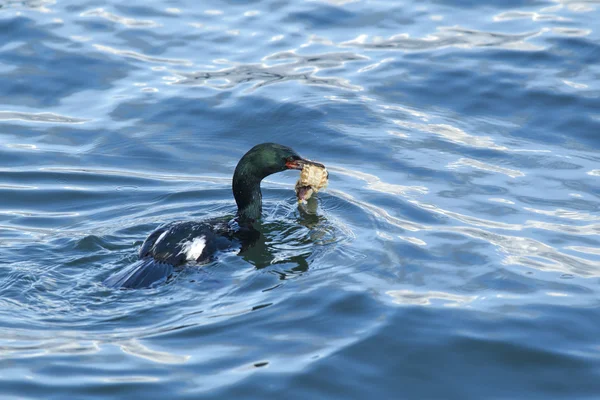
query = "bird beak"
{"x": 300, "y": 163}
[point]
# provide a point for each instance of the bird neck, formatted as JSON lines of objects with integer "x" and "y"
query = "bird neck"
{"x": 246, "y": 191}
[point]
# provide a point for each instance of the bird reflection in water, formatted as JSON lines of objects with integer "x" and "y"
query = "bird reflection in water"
{"x": 278, "y": 242}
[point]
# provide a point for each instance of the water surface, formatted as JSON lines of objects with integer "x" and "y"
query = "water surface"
{"x": 455, "y": 254}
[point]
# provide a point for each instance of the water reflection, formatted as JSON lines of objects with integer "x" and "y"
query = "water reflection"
{"x": 566, "y": 214}
{"x": 291, "y": 243}
{"x": 579, "y": 5}
{"x": 128, "y": 22}
{"x": 446, "y": 37}
{"x": 412, "y": 298}
{"x": 138, "y": 349}
{"x": 375, "y": 183}
{"x": 534, "y": 254}
{"x": 571, "y": 31}
{"x": 141, "y": 57}
{"x": 39, "y": 117}
{"x": 336, "y": 2}
{"x": 35, "y": 5}
{"x": 519, "y": 250}
{"x": 451, "y": 133}
{"x": 584, "y": 249}
{"x": 277, "y": 68}
{"x": 534, "y": 16}
{"x": 485, "y": 167}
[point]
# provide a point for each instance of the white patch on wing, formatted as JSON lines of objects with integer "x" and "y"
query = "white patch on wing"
{"x": 193, "y": 249}
{"x": 162, "y": 235}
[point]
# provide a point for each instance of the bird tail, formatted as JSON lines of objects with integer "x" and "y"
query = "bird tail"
{"x": 143, "y": 273}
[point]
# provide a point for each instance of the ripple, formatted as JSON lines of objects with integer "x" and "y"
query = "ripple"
{"x": 40, "y": 117}
{"x": 583, "y": 230}
{"x": 375, "y": 183}
{"x": 575, "y": 85}
{"x": 534, "y": 254}
{"x": 534, "y": 16}
{"x": 586, "y": 230}
{"x": 413, "y": 240}
{"x": 141, "y": 57}
{"x": 21, "y": 345}
{"x": 412, "y": 298}
{"x": 467, "y": 162}
{"x": 21, "y": 146}
{"x": 567, "y": 214}
{"x": 376, "y": 65}
{"x": 129, "y": 22}
{"x": 131, "y": 379}
{"x": 213, "y": 12}
{"x": 587, "y": 250}
{"x": 336, "y": 2}
{"x": 500, "y": 200}
{"x": 264, "y": 74}
{"x": 523, "y": 251}
{"x": 18, "y": 187}
{"x": 379, "y": 212}
{"x": 137, "y": 174}
{"x": 579, "y": 5}
{"x": 136, "y": 348}
{"x": 40, "y": 214}
{"x": 452, "y": 134}
{"x": 455, "y": 36}
{"x": 35, "y": 5}
{"x": 571, "y": 31}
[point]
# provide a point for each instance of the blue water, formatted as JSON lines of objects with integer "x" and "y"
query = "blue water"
{"x": 454, "y": 255}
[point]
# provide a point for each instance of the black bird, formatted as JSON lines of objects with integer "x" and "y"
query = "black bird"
{"x": 177, "y": 243}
